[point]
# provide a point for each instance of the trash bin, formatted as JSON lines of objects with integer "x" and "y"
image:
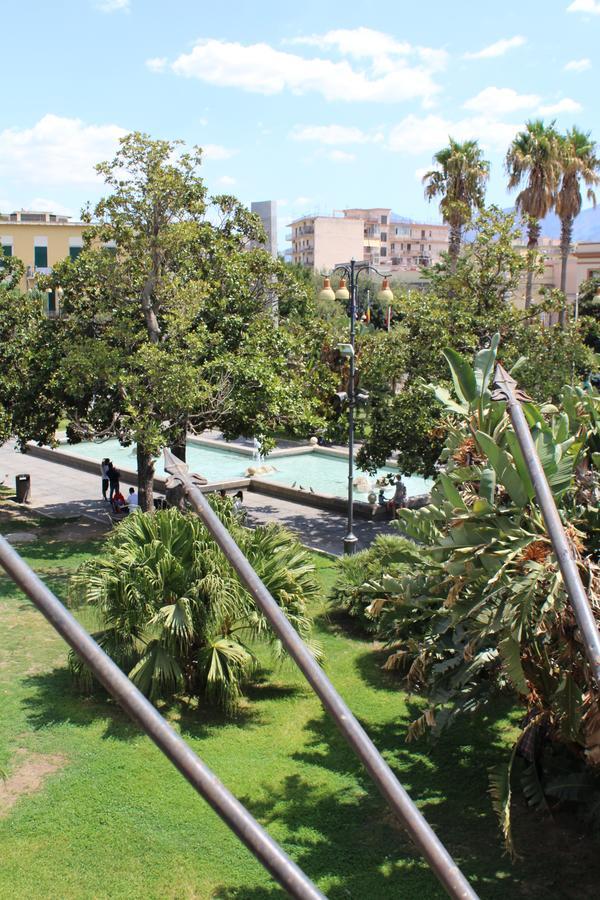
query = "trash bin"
{"x": 23, "y": 488}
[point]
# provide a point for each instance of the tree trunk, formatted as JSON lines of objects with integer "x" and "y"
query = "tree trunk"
{"x": 454, "y": 245}
{"x": 145, "y": 471}
{"x": 533, "y": 234}
{"x": 178, "y": 446}
{"x": 566, "y": 233}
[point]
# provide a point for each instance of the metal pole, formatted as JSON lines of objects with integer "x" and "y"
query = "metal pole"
{"x": 351, "y": 540}
{"x": 421, "y": 833}
{"x": 506, "y": 389}
{"x": 236, "y": 816}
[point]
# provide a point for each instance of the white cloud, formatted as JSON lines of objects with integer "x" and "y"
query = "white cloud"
{"x": 44, "y": 204}
{"x": 494, "y": 101}
{"x": 585, "y": 6}
{"x": 377, "y": 46}
{"x": 499, "y": 48}
{"x": 203, "y": 121}
{"x": 416, "y": 135}
{"x": 109, "y": 6}
{"x": 566, "y": 105}
{"x": 334, "y": 134}
{"x": 157, "y": 63}
{"x": 217, "y": 151}
{"x": 303, "y": 201}
{"x": 578, "y": 65}
{"x": 226, "y": 181}
{"x": 340, "y": 156}
{"x": 261, "y": 69}
{"x": 57, "y": 150}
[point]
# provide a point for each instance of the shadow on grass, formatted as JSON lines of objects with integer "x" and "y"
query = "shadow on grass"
{"x": 54, "y": 699}
{"x": 349, "y": 842}
{"x": 369, "y": 666}
{"x": 338, "y": 622}
{"x": 51, "y": 550}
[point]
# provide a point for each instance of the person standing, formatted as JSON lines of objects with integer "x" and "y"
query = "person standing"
{"x": 114, "y": 477}
{"x": 105, "y": 480}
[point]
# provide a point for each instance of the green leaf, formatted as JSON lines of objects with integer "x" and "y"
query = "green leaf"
{"x": 519, "y": 460}
{"x": 462, "y": 376}
{"x": 484, "y": 364}
{"x": 506, "y": 473}
{"x": 450, "y": 491}
{"x": 487, "y": 485}
{"x": 510, "y": 650}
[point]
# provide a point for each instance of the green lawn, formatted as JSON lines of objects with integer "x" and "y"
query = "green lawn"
{"x": 116, "y": 820}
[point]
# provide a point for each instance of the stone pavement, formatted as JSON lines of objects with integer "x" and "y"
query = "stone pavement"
{"x": 58, "y": 490}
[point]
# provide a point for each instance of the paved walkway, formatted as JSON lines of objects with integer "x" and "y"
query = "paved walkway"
{"x": 58, "y": 490}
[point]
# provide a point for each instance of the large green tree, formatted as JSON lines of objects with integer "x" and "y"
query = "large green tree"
{"x": 169, "y": 322}
{"x": 459, "y": 177}
{"x": 533, "y": 163}
{"x": 461, "y": 309}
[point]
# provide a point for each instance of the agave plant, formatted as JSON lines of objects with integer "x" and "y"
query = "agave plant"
{"x": 483, "y": 609}
{"x": 174, "y": 615}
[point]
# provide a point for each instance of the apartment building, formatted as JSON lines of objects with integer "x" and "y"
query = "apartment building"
{"x": 321, "y": 242}
{"x": 39, "y": 239}
{"x": 266, "y": 210}
{"x": 376, "y": 235}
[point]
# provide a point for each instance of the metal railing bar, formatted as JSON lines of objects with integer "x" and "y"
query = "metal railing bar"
{"x": 506, "y": 389}
{"x": 413, "y": 820}
{"x": 233, "y": 813}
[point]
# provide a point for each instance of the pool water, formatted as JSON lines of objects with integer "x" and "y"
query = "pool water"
{"x": 320, "y": 472}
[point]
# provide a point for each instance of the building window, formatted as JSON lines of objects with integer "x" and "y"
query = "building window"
{"x": 422, "y": 233}
{"x": 40, "y": 257}
{"x": 383, "y": 251}
{"x": 384, "y": 236}
{"x": 74, "y": 252}
{"x": 384, "y": 220}
{"x": 430, "y": 246}
{"x": 6, "y": 249}
{"x": 408, "y": 247}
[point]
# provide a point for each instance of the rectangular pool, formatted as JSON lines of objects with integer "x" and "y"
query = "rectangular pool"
{"x": 319, "y": 471}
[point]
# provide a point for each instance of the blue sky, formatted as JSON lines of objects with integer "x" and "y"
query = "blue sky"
{"x": 319, "y": 105}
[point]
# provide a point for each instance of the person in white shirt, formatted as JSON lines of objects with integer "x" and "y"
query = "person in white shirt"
{"x": 133, "y": 500}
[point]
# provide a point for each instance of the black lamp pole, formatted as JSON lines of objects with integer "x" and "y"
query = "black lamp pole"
{"x": 351, "y": 272}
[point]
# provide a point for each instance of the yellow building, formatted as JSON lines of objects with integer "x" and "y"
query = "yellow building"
{"x": 40, "y": 240}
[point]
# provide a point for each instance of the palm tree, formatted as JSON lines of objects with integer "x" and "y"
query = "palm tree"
{"x": 533, "y": 161}
{"x": 459, "y": 178}
{"x": 173, "y": 613}
{"x": 579, "y": 165}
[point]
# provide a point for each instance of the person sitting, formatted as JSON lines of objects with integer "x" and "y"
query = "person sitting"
{"x": 119, "y": 503}
{"x": 133, "y": 500}
{"x": 382, "y": 499}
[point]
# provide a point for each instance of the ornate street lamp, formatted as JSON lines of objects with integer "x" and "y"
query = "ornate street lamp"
{"x": 350, "y": 275}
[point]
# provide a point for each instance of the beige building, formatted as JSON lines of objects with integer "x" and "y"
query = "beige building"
{"x": 39, "y": 240}
{"x": 321, "y": 242}
{"x": 372, "y": 235}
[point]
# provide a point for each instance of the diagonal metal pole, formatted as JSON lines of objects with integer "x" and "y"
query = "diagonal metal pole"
{"x": 505, "y": 388}
{"x": 236, "y": 816}
{"x": 415, "y": 823}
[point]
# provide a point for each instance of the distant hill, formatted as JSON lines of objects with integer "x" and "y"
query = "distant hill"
{"x": 586, "y": 226}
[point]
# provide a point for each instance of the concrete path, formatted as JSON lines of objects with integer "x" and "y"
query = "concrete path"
{"x": 58, "y": 490}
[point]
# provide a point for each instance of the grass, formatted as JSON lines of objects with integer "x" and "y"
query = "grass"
{"x": 118, "y": 821}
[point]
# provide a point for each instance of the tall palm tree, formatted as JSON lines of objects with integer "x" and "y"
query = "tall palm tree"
{"x": 459, "y": 178}
{"x": 580, "y": 165}
{"x": 533, "y": 163}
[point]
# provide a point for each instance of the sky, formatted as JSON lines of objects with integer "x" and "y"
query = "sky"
{"x": 320, "y": 105}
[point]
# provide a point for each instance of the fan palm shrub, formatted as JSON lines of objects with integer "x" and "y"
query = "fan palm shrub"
{"x": 174, "y": 615}
{"x": 482, "y": 609}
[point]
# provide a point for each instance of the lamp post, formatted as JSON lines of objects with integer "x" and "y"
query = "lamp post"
{"x": 351, "y": 273}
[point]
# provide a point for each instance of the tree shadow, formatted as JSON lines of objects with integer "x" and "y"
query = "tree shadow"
{"x": 350, "y": 843}
{"x": 339, "y": 622}
{"x": 369, "y": 666}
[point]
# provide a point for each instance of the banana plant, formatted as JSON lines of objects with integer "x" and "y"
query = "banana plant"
{"x": 483, "y": 609}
